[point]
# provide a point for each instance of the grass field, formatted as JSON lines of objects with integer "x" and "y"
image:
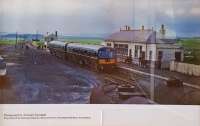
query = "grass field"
{"x": 192, "y": 43}
{"x": 90, "y": 41}
{"x": 192, "y": 50}
{"x": 35, "y": 43}
{"x": 7, "y": 42}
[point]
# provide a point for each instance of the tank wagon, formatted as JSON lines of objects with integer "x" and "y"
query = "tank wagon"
{"x": 94, "y": 56}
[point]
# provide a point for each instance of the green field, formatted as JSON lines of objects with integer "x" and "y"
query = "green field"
{"x": 7, "y": 42}
{"x": 37, "y": 43}
{"x": 192, "y": 50}
{"x": 89, "y": 41}
{"x": 192, "y": 43}
{"x": 10, "y": 42}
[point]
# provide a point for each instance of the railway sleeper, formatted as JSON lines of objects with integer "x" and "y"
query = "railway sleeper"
{"x": 174, "y": 82}
{"x": 126, "y": 88}
{"x": 127, "y": 95}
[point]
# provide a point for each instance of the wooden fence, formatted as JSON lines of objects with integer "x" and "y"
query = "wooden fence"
{"x": 185, "y": 68}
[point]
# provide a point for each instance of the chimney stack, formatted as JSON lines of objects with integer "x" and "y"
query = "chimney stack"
{"x": 56, "y": 33}
{"x": 142, "y": 27}
{"x": 162, "y": 26}
{"x": 127, "y": 28}
{"x": 162, "y": 31}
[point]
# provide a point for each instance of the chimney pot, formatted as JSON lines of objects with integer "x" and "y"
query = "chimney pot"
{"x": 127, "y": 28}
{"x": 163, "y": 26}
{"x": 142, "y": 27}
{"x": 162, "y": 31}
{"x": 56, "y": 33}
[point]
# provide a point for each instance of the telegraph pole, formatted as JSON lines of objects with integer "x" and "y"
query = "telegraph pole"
{"x": 16, "y": 40}
{"x": 36, "y": 35}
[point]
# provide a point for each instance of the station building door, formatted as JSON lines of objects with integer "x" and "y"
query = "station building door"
{"x": 178, "y": 56}
{"x": 122, "y": 52}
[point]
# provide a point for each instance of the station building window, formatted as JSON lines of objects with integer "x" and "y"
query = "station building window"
{"x": 122, "y": 49}
{"x": 115, "y": 45}
{"x": 138, "y": 50}
{"x": 109, "y": 44}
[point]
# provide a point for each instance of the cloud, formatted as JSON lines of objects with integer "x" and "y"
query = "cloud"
{"x": 45, "y": 6}
{"x": 98, "y": 16}
{"x": 195, "y": 11}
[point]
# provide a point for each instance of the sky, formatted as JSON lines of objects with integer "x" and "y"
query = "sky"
{"x": 98, "y": 17}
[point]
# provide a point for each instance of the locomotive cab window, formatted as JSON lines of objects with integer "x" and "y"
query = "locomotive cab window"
{"x": 106, "y": 53}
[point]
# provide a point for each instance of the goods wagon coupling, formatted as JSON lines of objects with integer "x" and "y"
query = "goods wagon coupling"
{"x": 97, "y": 57}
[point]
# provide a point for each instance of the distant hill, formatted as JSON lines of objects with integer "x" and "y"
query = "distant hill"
{"x": 88, "y": 36}
{"x": 80, "y": 37}
{"x": 191, "y": 37}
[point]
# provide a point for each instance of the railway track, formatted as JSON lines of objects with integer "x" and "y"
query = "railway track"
{"x": 120, "y": 81}
{"x": 160, "y": 77}
{"x": 119, "y": 90}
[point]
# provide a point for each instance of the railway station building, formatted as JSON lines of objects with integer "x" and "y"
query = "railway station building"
{"x": 145, "y": 45}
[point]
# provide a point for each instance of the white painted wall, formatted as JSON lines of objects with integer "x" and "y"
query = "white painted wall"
{"x": 167, "y": 49}
{"x": 169, "y": 53}
{"x": 185, "y": 68}
{"x": 152, "y": 47}
{"x": 132, "y": 46}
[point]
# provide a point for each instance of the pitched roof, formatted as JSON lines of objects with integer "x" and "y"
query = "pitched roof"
{"x": 147, "y": 36}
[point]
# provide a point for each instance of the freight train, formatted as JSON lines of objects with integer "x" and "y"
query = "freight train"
{"x": 96, "y": 57}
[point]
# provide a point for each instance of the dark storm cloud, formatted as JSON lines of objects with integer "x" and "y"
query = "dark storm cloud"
{"x": 185, "y": 26}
